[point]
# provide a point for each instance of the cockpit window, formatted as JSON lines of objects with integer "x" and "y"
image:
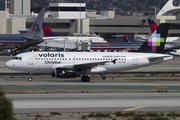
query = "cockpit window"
{"x": 17, "y": 58}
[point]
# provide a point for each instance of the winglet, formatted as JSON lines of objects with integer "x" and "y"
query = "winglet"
{"x": 177, "y": 40}
{"x": 153, "y": 26}
{"x": 47, "y": 30}
{"x": 155, "y": 43}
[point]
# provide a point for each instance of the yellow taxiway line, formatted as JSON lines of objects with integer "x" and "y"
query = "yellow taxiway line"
{"x": 161, "y": 86}
{"x": 130, "y": 109}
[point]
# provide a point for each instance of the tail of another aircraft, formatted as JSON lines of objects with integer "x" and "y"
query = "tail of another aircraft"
{"x": 125, "y": 38}
{"x": 153, "y": 26}
{"x": 155, "y": 43}
{"x": 47, "y": 30}
{"x": 35, "y": 30}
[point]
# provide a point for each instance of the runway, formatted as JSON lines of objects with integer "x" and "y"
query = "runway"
{"x": 101, "y": 102}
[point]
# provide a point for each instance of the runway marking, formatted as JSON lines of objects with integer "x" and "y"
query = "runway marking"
{"x": 161, "y": 86}
{"x": 27, "y": 85}
{"x": 130, "y": 109}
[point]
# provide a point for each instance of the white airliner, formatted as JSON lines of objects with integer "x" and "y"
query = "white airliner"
{"x": 75, "y": 64}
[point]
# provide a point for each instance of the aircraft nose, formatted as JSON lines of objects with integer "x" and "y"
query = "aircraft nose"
{"x": 8, "y": 64}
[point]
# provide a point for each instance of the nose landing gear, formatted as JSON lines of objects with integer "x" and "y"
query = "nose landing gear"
{"x": 30, "y": 78}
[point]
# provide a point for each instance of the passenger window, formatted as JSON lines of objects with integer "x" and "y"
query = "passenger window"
{"x": 54, "y": 58}
{"x": 57, "y": 58}
{"x": 65, "y": 58}
{"x": 87, "y": 58}
{"x": 69, "y": 58}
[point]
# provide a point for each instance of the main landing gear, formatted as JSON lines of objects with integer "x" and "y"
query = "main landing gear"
{"x": 103, "y": 77}
{"x": 85, "y": 78}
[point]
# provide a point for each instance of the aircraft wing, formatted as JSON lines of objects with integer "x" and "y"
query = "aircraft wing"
{"x": 82, "y": 66}
{"x": 28, "y": 38}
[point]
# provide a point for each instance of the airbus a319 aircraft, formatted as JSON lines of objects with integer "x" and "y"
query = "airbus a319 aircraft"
{"x": 75, "y": 64}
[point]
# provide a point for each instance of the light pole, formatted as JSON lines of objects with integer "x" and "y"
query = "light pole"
{"x": 80, "y": 15}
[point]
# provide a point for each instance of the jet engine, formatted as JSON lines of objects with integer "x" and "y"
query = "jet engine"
{"x": 65, "y": 73}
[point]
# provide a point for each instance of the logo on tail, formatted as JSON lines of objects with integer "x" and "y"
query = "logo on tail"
{"x": 155, "y": 43}
{"x": 47, "y": 30}
{"x": 155, "y": 40}
{"x": 35, "y": 27}
{"x": 152, "y": 24}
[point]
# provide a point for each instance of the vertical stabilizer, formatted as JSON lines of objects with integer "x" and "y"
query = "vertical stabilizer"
{"x": 153, "y": 26}
{"x": 125, "y": 38}
{"x": 35, "y": 30}
{"x": 47, "y": 30}
{"x": 155, "y": 43}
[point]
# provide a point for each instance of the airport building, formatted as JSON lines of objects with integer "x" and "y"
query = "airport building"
{"x": 69, "y": 18}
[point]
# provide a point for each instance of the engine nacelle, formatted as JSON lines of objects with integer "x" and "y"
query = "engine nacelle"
{"x": 65, "y": 73}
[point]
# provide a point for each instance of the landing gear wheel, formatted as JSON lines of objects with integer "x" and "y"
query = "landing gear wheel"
{"x": 103, "y": 77}
{"x": 83, "y": 78}
{"x": 87, "y": 79}
{"x": 30, "y": 79}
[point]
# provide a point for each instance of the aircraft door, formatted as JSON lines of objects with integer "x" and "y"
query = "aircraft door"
{"x": 134, "y": 59}
{"x": 30, "y": 59}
